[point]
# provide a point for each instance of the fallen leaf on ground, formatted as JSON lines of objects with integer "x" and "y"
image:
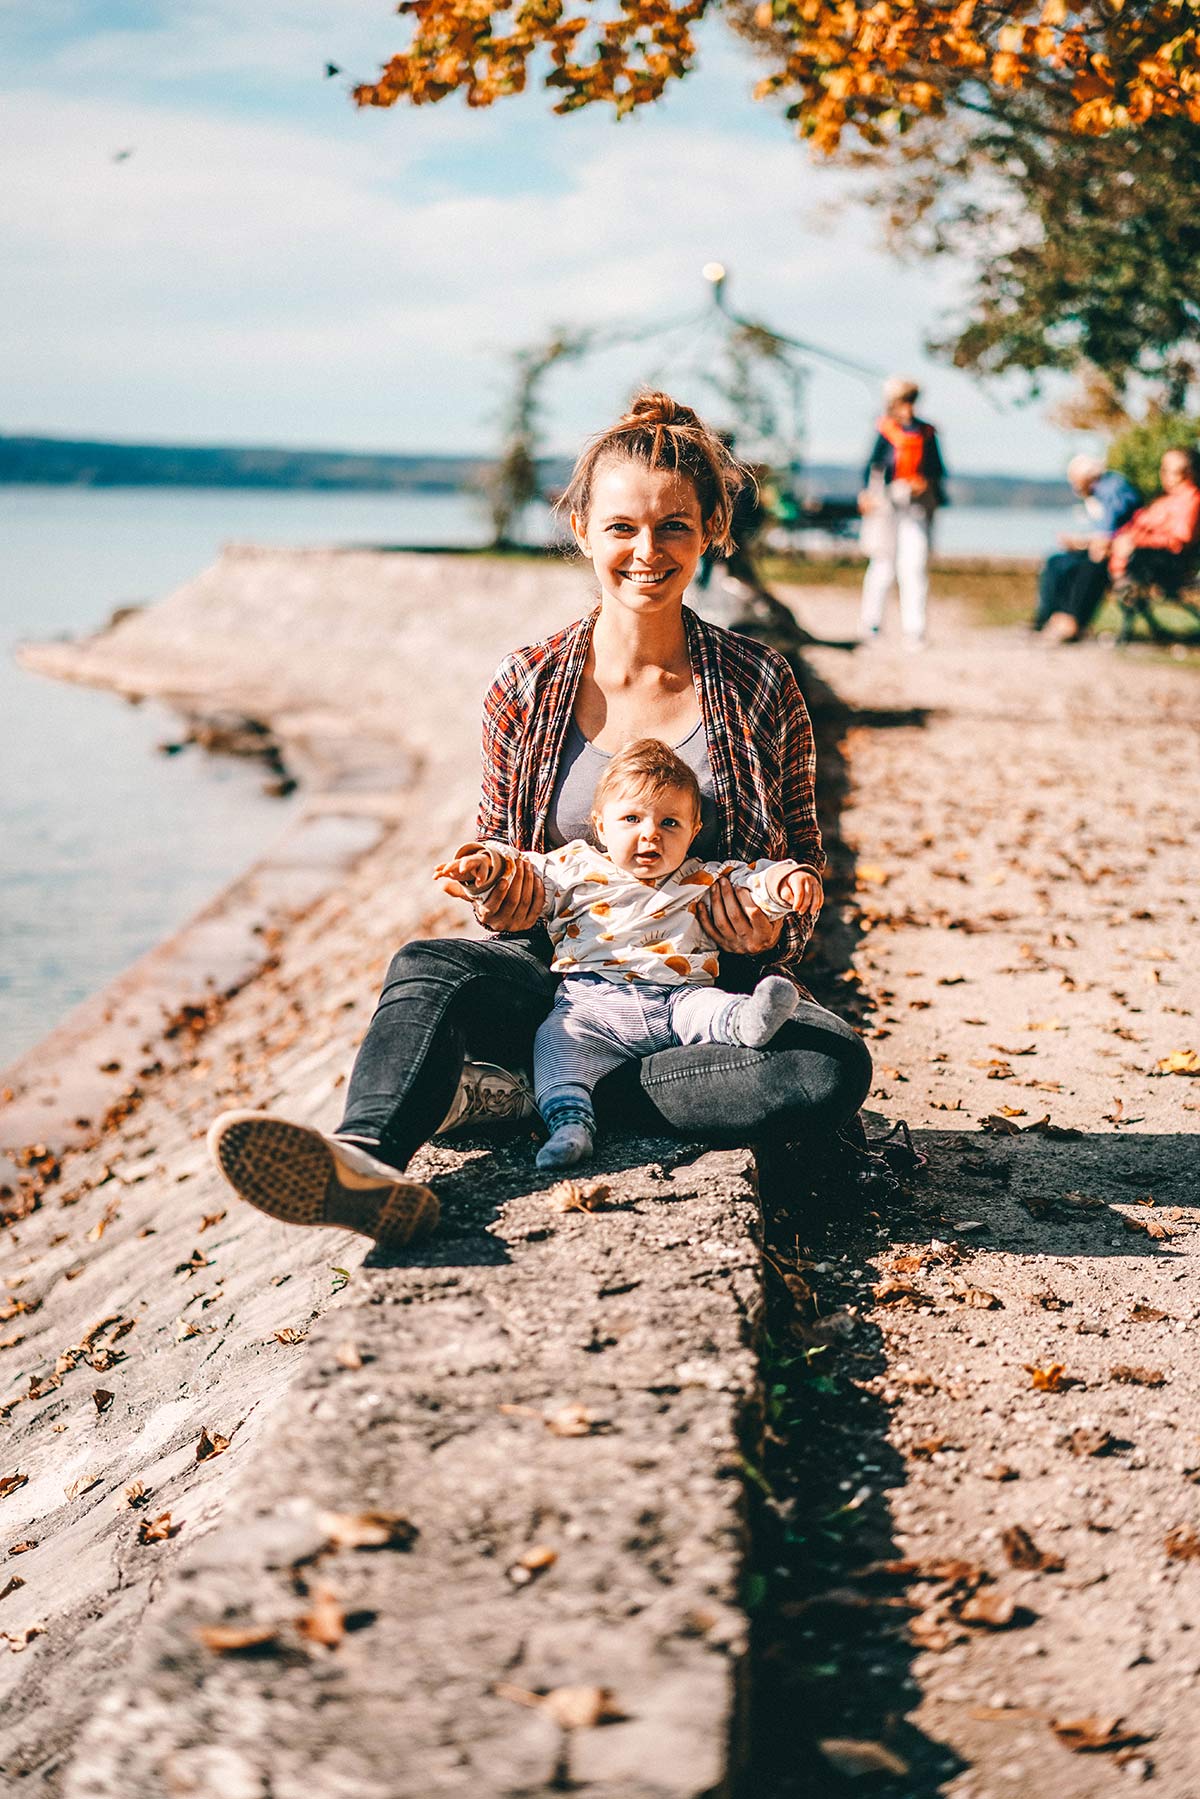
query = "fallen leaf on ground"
{"x": 1087, "y": 1735}
{"x": 998, "y": 1471}
{"x": 325, "y": 1623}
{"x": 1137, "y": 1377}
{"x": 1049, "y": 1302}
{"x": 993, "y": 1610}
{"x": 367, "y": 1530}
{"x": 10, "y": 1482}
{"x": 346, "y": 1355}
{"x": 1182, "y": 1544}
{"x": 533, "y": 1562}
{"x": 1088, "y": 1440}
{"x": 1180, "y": 1061}
{"x": 135, "y": 1494}
{"x": 572, "y": 1421}
{"x": 1149, "y": 1227}
{"x": 578, "y": 1196}
{"x": 582, "y": 1708}
{"x": 931, "y": 1631}
{"x": 928, "y": 1447}
{"x": 156, "y": 1530}
{"x": 1141, "y": 1314}
{"x": 83, "y": 1485}
{"x": 196, "y": 1260}
{"x": 22, "y": 1548}
{"x": 13, "y": 1584}
{"x": 1058, "y": 1133}
{"x": 102, "y": 1399}
{"x": 853, "y": 1757}
{"x": 898, "y": 1293}
{"x": 1000, "y": 1125}
{"x": 208, "y": 1446}
{"x": 290, "y": 1335}
{"x": 1023, "y": 1552}
{"x": 21, "y": 1639}
{"x": 980, "y": 1298}
{"x": 228, "y": 1639}
{"x": 1051, "y": 1379}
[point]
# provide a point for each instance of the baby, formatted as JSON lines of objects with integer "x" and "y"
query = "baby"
{"x": 638, "y": 970}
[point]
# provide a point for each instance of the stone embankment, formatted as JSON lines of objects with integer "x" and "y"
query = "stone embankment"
{"x": 544, "y": 1406}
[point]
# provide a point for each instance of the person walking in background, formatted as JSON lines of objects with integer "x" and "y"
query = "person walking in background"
{"x": 903, "y": 486}
{"x": 1073, "y": 580}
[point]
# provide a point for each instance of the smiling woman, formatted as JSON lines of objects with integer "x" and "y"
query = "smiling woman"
{"x": 645, "y": 498}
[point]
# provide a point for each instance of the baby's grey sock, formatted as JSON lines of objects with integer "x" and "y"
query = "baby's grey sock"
{"x": 569, "y": 1143}
{"x": 762, "y": 1012}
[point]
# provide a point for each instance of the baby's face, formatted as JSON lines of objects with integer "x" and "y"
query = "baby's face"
{"x": 648, "y": 835}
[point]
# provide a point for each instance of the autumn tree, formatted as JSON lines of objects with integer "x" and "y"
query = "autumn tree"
{"x": 1082, "y": 253}
{"x": 867, "y": 67}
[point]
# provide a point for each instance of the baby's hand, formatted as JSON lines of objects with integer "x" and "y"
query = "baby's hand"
{"x": 802, "y": 890}
{"x": 463, "y": 876}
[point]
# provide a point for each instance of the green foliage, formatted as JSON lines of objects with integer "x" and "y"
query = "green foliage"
{"x": 1080, "y": 250}
{"x": 1137, "y": 451}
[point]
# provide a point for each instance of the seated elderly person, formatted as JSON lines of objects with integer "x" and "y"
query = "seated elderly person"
{"x": 1160, "y": 544}
{"x": 1072, "y": 582}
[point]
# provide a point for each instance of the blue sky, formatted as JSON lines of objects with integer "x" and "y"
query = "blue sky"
{"x": 271, "y": 265}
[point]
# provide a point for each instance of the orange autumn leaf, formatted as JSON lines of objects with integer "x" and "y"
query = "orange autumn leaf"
{"x": 1049, "y": 1379}
{"x": 871, "y": 66}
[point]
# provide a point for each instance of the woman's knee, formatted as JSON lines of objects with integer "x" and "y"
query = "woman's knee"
{"x": 428, "y": 958}
{"x": 826, "y": 1062}
{"x": 453, "y": 962}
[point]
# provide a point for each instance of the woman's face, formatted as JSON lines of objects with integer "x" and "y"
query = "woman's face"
{"x": 643, "y": 534}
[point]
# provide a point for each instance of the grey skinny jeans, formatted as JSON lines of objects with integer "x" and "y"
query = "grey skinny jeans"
{"x": 445, "y": 999}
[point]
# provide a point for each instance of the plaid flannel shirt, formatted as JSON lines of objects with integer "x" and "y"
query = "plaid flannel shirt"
{"x": 760, "y": 748}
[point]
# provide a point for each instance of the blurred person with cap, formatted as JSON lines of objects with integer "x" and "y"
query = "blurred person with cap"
{"x": 1072, "y": 581}
{"x": 903, "y": 486}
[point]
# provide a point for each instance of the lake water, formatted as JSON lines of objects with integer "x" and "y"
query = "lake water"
{"x": 83, "y": 788}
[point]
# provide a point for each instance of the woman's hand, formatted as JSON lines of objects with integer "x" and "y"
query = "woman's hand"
{"x": 515, "y": 903}
{"x": 734, "y": 922}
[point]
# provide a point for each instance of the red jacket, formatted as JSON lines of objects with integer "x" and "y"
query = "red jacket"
{"x": 1172, "y": 522}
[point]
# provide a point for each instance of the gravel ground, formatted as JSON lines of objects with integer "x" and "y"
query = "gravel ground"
{"x": 999, "y": 1380}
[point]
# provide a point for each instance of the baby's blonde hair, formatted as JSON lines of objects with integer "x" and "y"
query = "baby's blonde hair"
{"x": 645, "y": 768}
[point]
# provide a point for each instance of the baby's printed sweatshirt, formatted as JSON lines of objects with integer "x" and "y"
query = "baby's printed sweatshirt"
{"x": 605, "y": 921}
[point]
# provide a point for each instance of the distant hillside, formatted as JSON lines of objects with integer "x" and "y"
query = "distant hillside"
{"x": 64, "y": 462}
{"x": 61, "y": 461}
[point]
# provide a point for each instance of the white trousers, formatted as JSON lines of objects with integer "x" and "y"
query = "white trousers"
{"x": 900, "y": 555}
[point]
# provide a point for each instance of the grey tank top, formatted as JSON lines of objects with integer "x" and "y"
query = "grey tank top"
{"x": 570, "y": 815}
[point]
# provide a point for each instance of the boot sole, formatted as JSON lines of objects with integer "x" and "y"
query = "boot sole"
{"x": 289, "y": 1172}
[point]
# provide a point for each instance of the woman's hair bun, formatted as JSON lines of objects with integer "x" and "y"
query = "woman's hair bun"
{"x": 661, "y": 433}
{"x": 658, "y": 409}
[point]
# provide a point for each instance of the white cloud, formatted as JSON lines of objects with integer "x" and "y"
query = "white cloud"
{"x": 240, "y": 278}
